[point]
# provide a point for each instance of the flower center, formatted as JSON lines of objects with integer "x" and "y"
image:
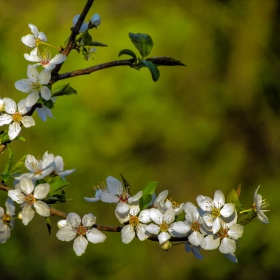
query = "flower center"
{"x": 124, "y": 196}
{"x": 102, "y": 187}
{"x": 35, "y": 87}
{"x": 81, "y": 230}
{"x": 134, "y": 221}
{"x": 45, "y": 56}
{"x": 174, "y": 204}
{"x": 195, "y": 226}
{"x": 6, "y": 218}
{"x": 223, "y": 232}
{"x": 30, "y": 199}
{"x": 164, "y": 227}
{"x": 17, "y": 117}
{"x": 215, "y": 213}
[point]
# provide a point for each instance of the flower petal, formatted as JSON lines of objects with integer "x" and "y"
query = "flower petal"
{"x": 228, "y": 246}
{"x": 80, "y": 245}
{"x": 210, "y": 242}
{"x": 95, "y": 236}
{"x": 27, "y": 215}
{"x": 42, "y": 208}
{"x": 73, "y": 220}
{"x": 66, "y": 233}
{"x": 41, "y": 191}
{"x": 88, "y": 220}
{"x": 26, "y": 185}
{"x": 128, "y": 234}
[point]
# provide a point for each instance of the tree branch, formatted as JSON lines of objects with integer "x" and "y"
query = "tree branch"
{"x": 126, "y": 62}
{"x": 72, "y": 38}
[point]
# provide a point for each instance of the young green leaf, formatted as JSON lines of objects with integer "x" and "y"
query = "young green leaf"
{"x": 63, "y": 90}
{"x": 143, "y": 43}
{"x": 165, "y": 61}
{"x": 48, "y": 223}
{"x": 153, "y": 69}
{"x": 18, "y": 166}
{"x": 128, "y": 52}
{"x": 147, "y": 196}
{"x": 6, "y": 173}
{"x": 232, "y": 197}
{"x": 56, "y": 185}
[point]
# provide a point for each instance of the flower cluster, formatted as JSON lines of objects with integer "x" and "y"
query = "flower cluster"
{"x": 211, "y": 226}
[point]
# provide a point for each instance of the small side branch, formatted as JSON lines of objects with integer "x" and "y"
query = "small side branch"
{"x": 126, "y": 62}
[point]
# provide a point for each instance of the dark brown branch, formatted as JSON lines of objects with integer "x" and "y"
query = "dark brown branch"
{"x": 72, "y": 38}
{"x": 126, "y": 62}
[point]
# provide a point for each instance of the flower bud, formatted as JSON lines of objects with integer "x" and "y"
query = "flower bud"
{"x": 84, "y": 26}
{"x": 61, "y": 224}
{"x": 20, "y": 216}
{"x": 94, "y": 21}
{"x": 165, "y": 246}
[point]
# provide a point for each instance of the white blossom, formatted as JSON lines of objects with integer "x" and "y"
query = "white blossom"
{"x": 225, "y": 239}
{"x": 35, "y": 85}
{"x": 28, "y": 197}
{"x": 44, "y": 58}
{"x": 6, "y": 220}
{"x": 39, "y": 168}
{"x": 260, "y": 206}
{"x": 32, "y": 40}
{"x": 195, "y": 221}
{"x": 114, "y": 192}
{"x": 59, "y": 166}
{"x": 164, "y": 225}
{"x": 162, "y": 203}
{"x": 217, "y": 211}
{"x": 14, "y": 116}
{"x": 137, "y": 224}
{"x": 80, "y": 230}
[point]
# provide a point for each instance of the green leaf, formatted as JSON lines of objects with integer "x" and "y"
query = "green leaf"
{"x": 86, "y": 39}
{"x": 48, "y": 223}
{"x": 143, "y": 43}
{"x": 153, "y": 69}
{"x": 246, "y": 218}
{"x": 56, "y": 185}
{"x": 5, "y": 137}
{"x": 18, "y": 166}
{"x": 6, "y": 173}
{"x": 180, "y": 217}
{"x": 98, "y": 44}
{"x": 128, "y": 52}
{"x": 150, "y": 187}
{"x": 165, "y": 61}
{"x": 63, "y": 90}
{"x": 232, "y": 197}
{"x": 55, "y": 199}
{"x": 148, "y": 191}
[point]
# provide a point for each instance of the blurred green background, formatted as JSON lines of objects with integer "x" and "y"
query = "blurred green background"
{"x": 211, "y": 125}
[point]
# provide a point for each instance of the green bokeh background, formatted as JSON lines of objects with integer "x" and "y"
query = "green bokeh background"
{"x": 211, "y": 125}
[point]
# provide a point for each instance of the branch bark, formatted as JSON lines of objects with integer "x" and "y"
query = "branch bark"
{"x": 126, "y": 62}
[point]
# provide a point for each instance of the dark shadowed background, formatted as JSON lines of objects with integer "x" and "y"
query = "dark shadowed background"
{"x": 212, "y": 125}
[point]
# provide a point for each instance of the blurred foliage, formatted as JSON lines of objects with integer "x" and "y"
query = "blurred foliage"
{"x": 211, "y": 125}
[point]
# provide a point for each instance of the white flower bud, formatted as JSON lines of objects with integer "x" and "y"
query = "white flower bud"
{"x": 95, "y": 20}
{"x": 61, "y": 224}
{"x": 20, "y": 216}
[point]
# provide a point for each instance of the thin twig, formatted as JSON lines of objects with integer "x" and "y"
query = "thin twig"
{"x": 72, "y": 38}
{"x": 126, "y": 62}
